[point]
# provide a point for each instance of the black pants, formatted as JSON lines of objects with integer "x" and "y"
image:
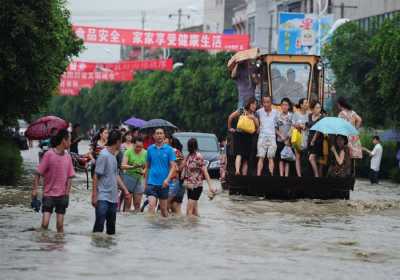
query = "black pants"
{"x": 374, "y": 176}
{"x": 105, "y": 212}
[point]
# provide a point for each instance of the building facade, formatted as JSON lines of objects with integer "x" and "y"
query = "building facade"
{"x": 218, "y": 15}
{"x": 259, "y": 18}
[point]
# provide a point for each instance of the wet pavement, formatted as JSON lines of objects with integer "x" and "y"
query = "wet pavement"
{"x": 235, "y": 238}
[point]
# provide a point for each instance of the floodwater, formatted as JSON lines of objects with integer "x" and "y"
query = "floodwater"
{"x": 235, "y": 238}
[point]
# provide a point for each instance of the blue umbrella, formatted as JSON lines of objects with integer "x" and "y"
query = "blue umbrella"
{"x": 135, "y": 122}
{"x": 390, "y": 135}
{"x": 331, "y": 125}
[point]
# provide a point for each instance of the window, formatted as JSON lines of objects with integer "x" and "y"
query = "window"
{"x": 294, "y": 7}
{"x": 251, "y": 28}
{"x": 206, "y": 144}
{"x": 289, "y": 80}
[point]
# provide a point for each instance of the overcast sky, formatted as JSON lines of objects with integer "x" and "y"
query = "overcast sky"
{"x": 128, "y": 14}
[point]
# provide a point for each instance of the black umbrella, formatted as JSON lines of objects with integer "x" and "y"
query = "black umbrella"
{"x": 156, "y": 123}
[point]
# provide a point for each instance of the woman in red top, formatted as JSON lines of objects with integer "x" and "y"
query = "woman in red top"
{"x": 195, "y": 171}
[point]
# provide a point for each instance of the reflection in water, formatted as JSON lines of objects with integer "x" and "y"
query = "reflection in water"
{"x": 103, "y": 241}
{"x": 235, "y": 238}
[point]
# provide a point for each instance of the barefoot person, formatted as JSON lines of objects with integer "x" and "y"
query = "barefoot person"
{"x": 300, "y": 119}
{"x": 243, "y": 140}
{"x": 315, "y": 145}
{"x": 283, "y": 126}
{"x": 106, "y": 182}
{"x": 176, "y": 190}
{"x": 376, "y": 158}
{"x": 57, "y": 169}
{"x": 266, "y": 144}
{"x": 340, "y": 165}
{"x": 195, "y": 171}
{"x": 133, "y": 163}
{"x": 160, "y": 168}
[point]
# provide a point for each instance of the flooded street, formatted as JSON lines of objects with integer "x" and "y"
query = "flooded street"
{"x": 235, "y": 238}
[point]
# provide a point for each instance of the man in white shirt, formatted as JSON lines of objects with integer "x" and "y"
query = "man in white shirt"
{"x": 266, "y": 145}
{"x": 376, "y": 157}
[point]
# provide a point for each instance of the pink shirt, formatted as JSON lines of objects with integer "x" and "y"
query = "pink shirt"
{"x": 56, "y": 170}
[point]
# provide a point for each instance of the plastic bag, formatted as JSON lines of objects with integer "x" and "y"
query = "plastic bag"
{"x": 288, "y": 154}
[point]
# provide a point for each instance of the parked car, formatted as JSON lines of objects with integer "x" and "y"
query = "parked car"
{"x": 17, "y": 133}
{"x": 208, "y": 147}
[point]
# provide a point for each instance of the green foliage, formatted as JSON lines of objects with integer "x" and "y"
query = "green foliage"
{"x": 36, "y": 44}
{"x": 10, "y": 162}
{"x": 385, "y": 47}
{"x": 395, "y": 174}
{"x": 367, "y": 68}
{"x": 197, "y": 96}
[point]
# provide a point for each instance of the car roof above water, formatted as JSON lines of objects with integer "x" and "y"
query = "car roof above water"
{"x": 195, "y": 134}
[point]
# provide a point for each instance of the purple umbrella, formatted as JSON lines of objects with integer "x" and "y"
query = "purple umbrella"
{"x": 135, "y": 122}
{"x": 390, "y": 135}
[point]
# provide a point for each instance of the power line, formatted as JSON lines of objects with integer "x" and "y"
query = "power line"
{"x": 179, "y": 15}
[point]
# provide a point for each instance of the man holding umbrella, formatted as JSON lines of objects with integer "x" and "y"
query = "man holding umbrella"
{"x": 160, "y": 167}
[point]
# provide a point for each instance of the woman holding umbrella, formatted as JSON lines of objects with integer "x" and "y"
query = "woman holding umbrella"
{"x": 341, "y": 163}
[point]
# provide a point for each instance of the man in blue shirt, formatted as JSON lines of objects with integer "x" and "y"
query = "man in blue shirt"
{"x": 160, "y": 167}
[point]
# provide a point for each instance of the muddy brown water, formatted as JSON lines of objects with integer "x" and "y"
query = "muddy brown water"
{"x": 235, "y": 238}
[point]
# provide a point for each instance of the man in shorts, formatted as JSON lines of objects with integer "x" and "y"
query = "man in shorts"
{"x": 266, "y": 145}
{"x": 106, "y": 183}
{"x": 160, "y": 168}
{"x": 57, "y": 169}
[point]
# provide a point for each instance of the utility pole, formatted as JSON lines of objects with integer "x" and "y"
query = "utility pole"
{"x": 342, "y": 8}
{"x": 179, "y": 15}
{"x": 143, "y": 24}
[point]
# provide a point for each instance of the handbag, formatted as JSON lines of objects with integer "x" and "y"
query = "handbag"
{"x": 296, "y": 139}
{"x": 287, "y": 154}
{"x": 246, "y": 124}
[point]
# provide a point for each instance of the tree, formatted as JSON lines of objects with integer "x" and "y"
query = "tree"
{"x": 367, "y": 70}
{"x": 198, "y": 96}
{"x": 37, "y": 42}
{"x": 385, "y": 48}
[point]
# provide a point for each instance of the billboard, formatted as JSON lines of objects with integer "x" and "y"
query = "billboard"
{"x": 301, "y": 33}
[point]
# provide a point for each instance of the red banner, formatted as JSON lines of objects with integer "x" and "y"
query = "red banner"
{"x": 69, "y": 91}
{"x": 76, "y": 83}
{"x": 130, "y": 65}
{"x": 162, "y": 39}
{"x": 116, "y": 76}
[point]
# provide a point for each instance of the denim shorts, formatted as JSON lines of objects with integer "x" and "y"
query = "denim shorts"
{"x": 157, "y": 191}
{"x": 176, "y": 191}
